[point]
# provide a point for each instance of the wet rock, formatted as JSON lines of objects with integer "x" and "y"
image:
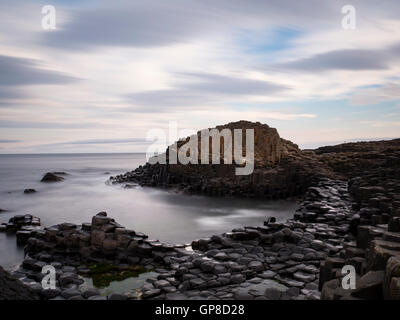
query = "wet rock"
{"x": 50, "y": 293}
{"x": 151, "y": 293}
{"x": 67, "y": 278}
{"x": 117, "y": 296}
{"x": 237, "y": 278}
{"x": 69, "y": 293}
{"x": 90, "y": 293}
{"x": 97, "y": 298}
{"x": 51, "y": 177}
{"x": 29, "y": 191}
{"x": 256, "y": 266}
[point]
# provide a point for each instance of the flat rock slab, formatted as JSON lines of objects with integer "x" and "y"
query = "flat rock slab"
{"x": 370, "y": 286}
{"x": 269, "y": 289}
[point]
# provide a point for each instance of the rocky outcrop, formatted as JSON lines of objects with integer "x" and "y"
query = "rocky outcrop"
{"x": 374, "y": 187}
{"x": 281, "y": 169}
{"x": 13, "y": 289}
{"x": 22, "y": 226}
{"x": 351, "y": 160}
{"x": 29, "y": 191}
{"x": 52, "y": 177}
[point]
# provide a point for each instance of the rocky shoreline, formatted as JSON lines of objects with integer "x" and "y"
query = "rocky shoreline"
{"x": 349, "y": 214}
{"x": 298, "y": 259}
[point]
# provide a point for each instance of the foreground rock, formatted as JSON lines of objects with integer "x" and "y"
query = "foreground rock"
{"x": 273, "y": 261}
{"x": 13, "y": 289}
{"x": 277, "y": 261}
{"x": 375, "y": 253}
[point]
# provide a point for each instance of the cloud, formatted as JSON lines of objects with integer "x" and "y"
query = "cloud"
{"x": 387, "y": 92}
{"x": 346, "y": 59}
{"x": 94, "y": 142}
{"x": 20, "y": 71}
{"x": 195, "y": 89}
{"x": 382, "y": 124}
{"x": 134, "y": 23}
{"x": 338, "y": 60}
{"x": 108, "y": 141}
{"x": 17, "y": 73}
{"x": 46, "y": 125}
{"x": 227, "y": 85}
{"x": 192, "y": 60}
{"x": 156, "y": 23}
{"x": 10, "y": 93}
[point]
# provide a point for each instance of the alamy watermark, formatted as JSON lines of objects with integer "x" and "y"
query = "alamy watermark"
{"x": 191, "y": 152}
{"x": 349, "y": 279}
{"x": 49, "y": 17}
{"x": 49, "y": 280}
{"x": 349, "y": 20}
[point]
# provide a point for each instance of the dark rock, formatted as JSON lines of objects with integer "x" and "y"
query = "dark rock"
{"x": 97, "y": 298}
{"x": 50, "y": 293}
{"x": 370, "y": 286}
{"x": 13, "y": 289}
{"x": 69, "y": 293}
{"x": 90, "y": 293}
{"x": 29, "y": 191}
{"x": 281, "y": 169}
{"x": 117, "y": 296}
{"x": 51, "y": 177}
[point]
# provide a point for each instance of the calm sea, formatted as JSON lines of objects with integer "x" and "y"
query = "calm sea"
{"x": 163, "y": 215}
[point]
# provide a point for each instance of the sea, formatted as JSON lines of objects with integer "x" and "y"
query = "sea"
{"x": 166, "y": 215}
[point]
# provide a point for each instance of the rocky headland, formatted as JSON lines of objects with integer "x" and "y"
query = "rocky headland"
{"x": 281, "y": 169}
{"x": 348, "y": 214}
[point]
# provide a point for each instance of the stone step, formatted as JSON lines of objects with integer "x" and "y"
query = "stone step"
{"x": 392, "y": 236}
{"x": 380, "y": 252}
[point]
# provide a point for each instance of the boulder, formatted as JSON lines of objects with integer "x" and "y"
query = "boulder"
{"x": 391, "y": 288}
{"x": 29, "y": 191}
{"x": 380, "y": 252}
{"x": 370, "y": 286}
{"x": 51, "y": 177}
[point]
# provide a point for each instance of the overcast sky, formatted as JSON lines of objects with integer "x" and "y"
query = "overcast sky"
{"x": 113, "y": 70}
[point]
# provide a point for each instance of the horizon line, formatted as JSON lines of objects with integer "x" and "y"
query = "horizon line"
{"x": 327, "y": 143}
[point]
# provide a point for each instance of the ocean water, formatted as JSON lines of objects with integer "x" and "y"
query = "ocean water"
{"x": 164, "y": 215}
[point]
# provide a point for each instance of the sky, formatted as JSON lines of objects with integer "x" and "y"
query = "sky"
{"x": 111, "y": 71}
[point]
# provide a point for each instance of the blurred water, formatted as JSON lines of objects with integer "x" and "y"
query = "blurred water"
{"x": 163, "y": 215}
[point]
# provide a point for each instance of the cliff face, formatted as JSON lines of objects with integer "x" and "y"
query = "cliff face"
{"x": 281, "y": 169}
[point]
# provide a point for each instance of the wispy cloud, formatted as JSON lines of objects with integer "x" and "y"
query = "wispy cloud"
{"x": 20, "y": 71}
{"x": 382, "y": 124}
{"x": 202, "y": 89}
{"x": 374, "y": 95}
{"x": 116, "y": 69}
